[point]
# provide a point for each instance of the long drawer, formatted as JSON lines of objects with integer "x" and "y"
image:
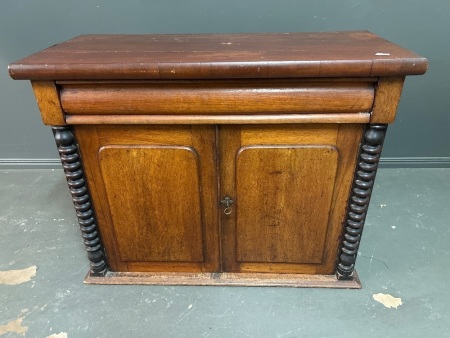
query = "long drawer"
{"x": 216, "y": 97}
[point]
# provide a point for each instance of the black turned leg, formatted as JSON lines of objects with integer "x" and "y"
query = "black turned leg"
{"x": 363, "y": 181}
{"x": 70, "y": 158}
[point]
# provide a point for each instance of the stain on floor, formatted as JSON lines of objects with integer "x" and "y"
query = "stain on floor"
{"x": 387, "y": 300}
{"x": 14, "y": 326}
{"x": 14, "y": 277}
{"x": 58, "y": 335}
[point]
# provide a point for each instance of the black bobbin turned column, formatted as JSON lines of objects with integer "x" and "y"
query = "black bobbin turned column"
{"x": 70, "y": 158}
{"x": 363, "y": 182}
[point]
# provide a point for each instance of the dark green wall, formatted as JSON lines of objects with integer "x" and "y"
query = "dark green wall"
{"x": 420, "y": 131}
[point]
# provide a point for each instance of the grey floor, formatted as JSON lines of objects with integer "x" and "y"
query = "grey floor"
{"x": 405, "y": 253}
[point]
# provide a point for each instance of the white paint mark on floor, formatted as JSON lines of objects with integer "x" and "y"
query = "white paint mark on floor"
{"x": 382, "y": 205}
{"x": 382, "y": 54}
{"x": 387, "y": 300}
{"x": 14, "y": 326}
{"x": 185, "y": 313}
{"x": 393, "y": 227}
{"x": 14, "y": 277}
{"x": 58, "y": 335}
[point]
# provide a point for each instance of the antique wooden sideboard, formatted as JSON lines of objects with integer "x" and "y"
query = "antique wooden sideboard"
{"x": 245, "y": 159}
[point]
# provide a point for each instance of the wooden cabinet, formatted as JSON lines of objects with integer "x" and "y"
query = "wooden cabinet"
{"x": 221, "y": 159}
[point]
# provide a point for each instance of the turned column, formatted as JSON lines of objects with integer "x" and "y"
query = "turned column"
{"x": 71, "y": 161}
{"x": 369, "y": 156}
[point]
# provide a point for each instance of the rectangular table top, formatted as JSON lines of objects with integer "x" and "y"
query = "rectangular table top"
{"x": 220, "y": 56}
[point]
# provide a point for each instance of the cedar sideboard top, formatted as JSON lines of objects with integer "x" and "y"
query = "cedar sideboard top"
{"x": 220, "y": 56}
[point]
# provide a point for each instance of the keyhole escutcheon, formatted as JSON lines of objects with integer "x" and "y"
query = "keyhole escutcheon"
{"x": 227, "y": 202}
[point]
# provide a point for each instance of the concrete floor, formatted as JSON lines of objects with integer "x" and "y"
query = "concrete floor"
{"x": 405, "y": 252}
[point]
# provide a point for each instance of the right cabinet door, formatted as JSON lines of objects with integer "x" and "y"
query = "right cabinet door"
{"x": 290, "y": 185}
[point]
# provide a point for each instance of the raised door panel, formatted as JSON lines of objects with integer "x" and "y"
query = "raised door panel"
{"x": 290, "y": 185}
{"x": 279, "y": 190}
{"x": 161, "y": 183}
{"x": 155, "y": 193}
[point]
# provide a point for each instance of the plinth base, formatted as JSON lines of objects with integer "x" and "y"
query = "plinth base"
{"x": 225, "y": 279}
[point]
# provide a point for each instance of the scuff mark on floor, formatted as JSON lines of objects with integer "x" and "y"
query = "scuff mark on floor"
{"x": 387, "y": 300}
{"x": 14, "y": 277}
{"x": 58, "y": 335}
{"x": 14, "y": 326}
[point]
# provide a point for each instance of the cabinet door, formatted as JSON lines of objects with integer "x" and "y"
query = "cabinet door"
{"x": 155, "y": 195}
{"x": 290, "y": 186}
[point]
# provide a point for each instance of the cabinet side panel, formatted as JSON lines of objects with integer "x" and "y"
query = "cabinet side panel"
{"x": 387, "y": 97}
{"x": 88, "y": 141}
{"x": 283, "y": 197}
{"x": 154, "y": 198}
{"x": 348, "y": 141}
{"x": 48, "y": 102}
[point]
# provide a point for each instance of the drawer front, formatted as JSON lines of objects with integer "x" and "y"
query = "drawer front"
{"x": 216, "y": 98}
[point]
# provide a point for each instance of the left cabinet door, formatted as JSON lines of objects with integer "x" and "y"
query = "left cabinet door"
{"x": 154, "y": 190}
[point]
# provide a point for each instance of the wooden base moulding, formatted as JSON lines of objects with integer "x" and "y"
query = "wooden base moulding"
{"x": 225, "y": 279}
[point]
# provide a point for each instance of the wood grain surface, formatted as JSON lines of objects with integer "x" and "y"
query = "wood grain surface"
{"x": 219, "y": 56}
{"x": 280, "y": 190}
{"x": 155, "y": 189}
{"x": 387, "y": 98}
{"x": 340, "y": 118}
{"x": 225, "y": 279}
{"x": 155, "y": 219}
{"x": 281, "y": 222}
{"x": 47, "y": 98}
{"x": 212, "y": 97}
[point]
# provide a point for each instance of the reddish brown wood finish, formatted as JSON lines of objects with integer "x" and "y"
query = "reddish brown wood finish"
{"x": 219, "y": 56}
{"x": 275, "y": 223}
{"x": 388, "y": 92}
{"x": 225, "y": 97}
{"x": 218, "y": 119}
{"x": 273, "y": 226}
{"x": 172, "y": 127}
{"x": 155, "y": 189}
{"x": 47, "y": 98}
{"x": 166, "y": 216}
{"x": 226, "y": 279}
